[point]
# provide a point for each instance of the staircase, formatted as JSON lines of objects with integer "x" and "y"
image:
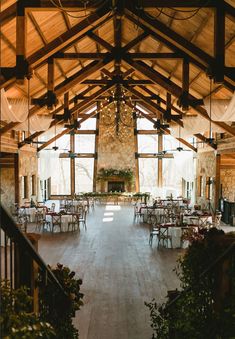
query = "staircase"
{"x": 21, "y": 265}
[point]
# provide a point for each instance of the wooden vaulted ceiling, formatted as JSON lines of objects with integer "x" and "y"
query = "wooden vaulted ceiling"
{"x": 160, "y": 57}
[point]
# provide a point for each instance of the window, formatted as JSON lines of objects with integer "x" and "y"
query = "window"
{"x": 85, "y": 143}
{"x": 25, "y": 187}
{"x": 60, "y": 181}
{"x": 208, "y": 187}
{"x": 33, "y": 185}
{"x": 200, "y": 186}
{"x": 147, "y": 143}
{"x": 84, "y": 169}
{"x": 148, "y": 174}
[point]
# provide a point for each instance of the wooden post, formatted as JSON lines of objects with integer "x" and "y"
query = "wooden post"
{"x": 72, "y": 164}
{"x": 217, "y": 181}
{"x": 16, "y": 174}
{"x": 137, "y": 178}
{"x": 33, "y": 237}
{"x": 50, "y": 84}
{"x": 160, "y": 149}
{"x": 26, "y": 270}
{"x": 219, "y": 42}
{"x": 72, "y": 147}
{"x": 21, "y": 64}
{"x": 96, "y": 149}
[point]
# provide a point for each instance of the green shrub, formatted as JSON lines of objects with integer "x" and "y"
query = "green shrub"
{"x": 16, "y": 319}
{"x": 196, "y": 314}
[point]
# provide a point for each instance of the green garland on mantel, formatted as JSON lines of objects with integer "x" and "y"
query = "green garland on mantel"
{"x": 104, "y": 174}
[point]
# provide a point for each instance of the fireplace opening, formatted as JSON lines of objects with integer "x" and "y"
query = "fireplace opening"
{"x": 116, "y": 186}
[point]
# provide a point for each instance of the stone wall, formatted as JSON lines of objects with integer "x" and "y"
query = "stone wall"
{"x": 206, "y": 167}
{"x": 7, "y": 180}
{"x": 116, "y": 150}
{"x": 227, "y": 179}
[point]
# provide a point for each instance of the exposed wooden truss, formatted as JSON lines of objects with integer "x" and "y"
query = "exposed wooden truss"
{"x": 105, "y": 63}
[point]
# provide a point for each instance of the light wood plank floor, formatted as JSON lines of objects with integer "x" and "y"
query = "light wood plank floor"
{"x": 120, "y": 271}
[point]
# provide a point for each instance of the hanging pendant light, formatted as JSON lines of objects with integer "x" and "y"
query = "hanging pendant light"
{"x": 55, "y": 148}
{"x": 29, "y": 141}
{"x": 210, "y": 138}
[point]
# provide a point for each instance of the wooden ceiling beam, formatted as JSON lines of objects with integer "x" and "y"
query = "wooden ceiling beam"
{"x": 175, "y": 109}
{"x": 219, "y": 42}
{"x": 64, "y": 41}
{"x": 130, "y": 82}
{"x": 152, "y": 106}
{"x": 8, "y": 14}
{"x": 193, "y": 38}
{"x": 205, "y": 140}
{"x": 85, "y": 56}
{"x": 45, "y": 42}
{"x": 100, "y": 41}
{"x": 133, "y": 43}
{"x": 53, "y": 123}
{"x": 177, "y": 43}
{"x": 63, "y": 87}
{"x": 174, "y": 89}
{"x": 67, "y": 39}
{"x": 56, "y": 137}
{"x": 87, "y": 102}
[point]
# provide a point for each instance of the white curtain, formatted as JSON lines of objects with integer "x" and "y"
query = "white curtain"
{"x": 193, "y": 125}
{"x": 183, "y": 162}
{"x": 221, "y": 110}
{"x": 36, "y": 123}
{"x": 14, "y": 110}
{"x": 48, "y": 161}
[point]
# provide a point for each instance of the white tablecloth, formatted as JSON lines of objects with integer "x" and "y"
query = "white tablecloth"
{"x": 65, "y": 219}
{"x": 198, "y": 220}
{"x": 31, "y": 211}
{"x": 151, "y": 211}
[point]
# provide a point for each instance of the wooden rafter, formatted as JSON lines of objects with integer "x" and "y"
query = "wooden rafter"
{"x": 177, "y": 43}
{"x": 64, "y": 87}
{"x": 174, "y": 90}
{"x": 152, "y": 106}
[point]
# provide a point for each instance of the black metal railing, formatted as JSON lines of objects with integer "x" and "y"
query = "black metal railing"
{"x": 20, "y": 263}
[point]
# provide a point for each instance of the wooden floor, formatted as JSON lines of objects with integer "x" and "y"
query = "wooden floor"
{"x": 120, "y": 271}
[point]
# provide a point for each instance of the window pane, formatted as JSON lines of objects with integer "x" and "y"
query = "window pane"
{"x": 148, "y": 173}
{"x": 60, "y": 180}
{"x": 84, "y": 143}
{"x": 84, "y": 169}
{"x": 89, "y": 124}
{"x": 169, "y": 142}
{"x": 147, "y": 144}
{"x": 144, "y": 124}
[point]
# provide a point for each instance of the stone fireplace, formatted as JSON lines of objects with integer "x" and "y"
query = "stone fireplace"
{"x": 118, "y": 153}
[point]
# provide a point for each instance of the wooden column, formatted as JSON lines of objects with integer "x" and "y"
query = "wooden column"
{"x": 50, "y": 84}
{"x": 96, "y": 150}
{"x": 16, "y": 174}
{"x": 217, "y": 181}
{"x": 219, "y": 42}
{"x": 72, "y": 147}
{"x": 160, "y": 149}
{"x": 21, "y": 64}
{"x": 185, "y": 84}
{"x": 72, "y": 164}
{"x": 137, "y": 178}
